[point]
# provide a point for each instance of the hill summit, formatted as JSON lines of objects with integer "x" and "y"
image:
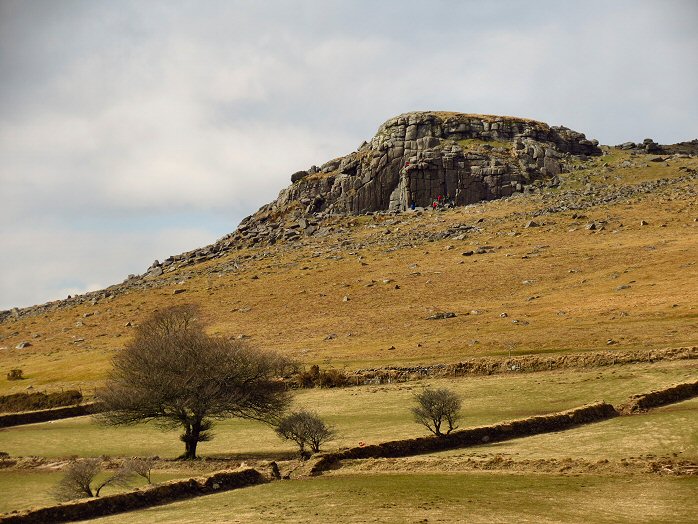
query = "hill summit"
{"x": 414, "y": 160}
{"x": 419, "y": 157}
{"x": 415, "y": 157}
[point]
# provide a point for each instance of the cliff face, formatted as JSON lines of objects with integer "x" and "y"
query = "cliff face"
{"x": 415, "y": 157}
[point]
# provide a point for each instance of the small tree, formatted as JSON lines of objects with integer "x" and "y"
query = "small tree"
{"x": 80, "y": 477}
{"x": 141, "y": 467}
{"x": 436, "y": 406}
{"x": 305, "y": 428}
{"x": 174, "y": 374}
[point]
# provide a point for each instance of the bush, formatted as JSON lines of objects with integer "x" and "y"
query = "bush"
{"x": 141, "y": 467}
{"x": 332, "y": 379}
{"x": 305, "y": 428}
{"x": 436, "y": 406}
{"x": 15, "y": 374}
{"x": 314, "y": 377}
{"x": 80, "y": 477}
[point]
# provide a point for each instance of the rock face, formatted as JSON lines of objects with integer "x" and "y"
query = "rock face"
{"x": 417, "y": 157}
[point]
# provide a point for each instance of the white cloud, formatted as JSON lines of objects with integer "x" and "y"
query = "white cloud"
{"x": 49, "y": 263}
{"x": 159, "y": 112}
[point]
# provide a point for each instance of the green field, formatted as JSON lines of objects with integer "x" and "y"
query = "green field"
{"x": 380, "y": 413}
{"x": 366, "y": 413}
{"x": 471, "y": 497}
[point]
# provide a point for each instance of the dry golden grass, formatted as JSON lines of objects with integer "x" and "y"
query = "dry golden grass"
{"x": 561, "y": 282}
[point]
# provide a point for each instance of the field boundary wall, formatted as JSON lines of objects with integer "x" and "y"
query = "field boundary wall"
{"x": 133, "y": 500}
{"x": 44, "y": 415}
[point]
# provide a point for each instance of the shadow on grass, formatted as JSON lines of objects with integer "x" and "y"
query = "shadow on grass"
{"x": 270, "y": 455}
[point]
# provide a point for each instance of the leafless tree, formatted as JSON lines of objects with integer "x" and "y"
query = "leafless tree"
{"x": 80, "y": 479}
{"x": 141, "y": 467}
{"x": 175, "y": 375}
{"x": 305, "y": 428}
{"x": 436, "y": 406}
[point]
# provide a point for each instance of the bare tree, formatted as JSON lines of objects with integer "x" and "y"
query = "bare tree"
{"x": 436, "y": 406}
{"x": 141, "y": 467}
{"x": 305, "y": 428}
{"x": 177, "y": 376}
{"x": 80, "y": 479}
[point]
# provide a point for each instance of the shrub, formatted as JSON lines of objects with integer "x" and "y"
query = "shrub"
{"x": 315, "y": 377}
{"x": 80, "y": 481}
{"x": 332, "y": 379}
{"x": 436, "y": 406}
{"x": 141, "y": 467}
{"x": 15, "y": 374}
{"x": 305, "y": 428}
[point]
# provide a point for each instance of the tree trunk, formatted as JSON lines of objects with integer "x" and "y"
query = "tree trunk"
{"x": 191, "y": 435}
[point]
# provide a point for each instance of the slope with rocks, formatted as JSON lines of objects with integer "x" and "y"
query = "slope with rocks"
{"x": 604, "y": 258}
{"x": 413, "y": 159}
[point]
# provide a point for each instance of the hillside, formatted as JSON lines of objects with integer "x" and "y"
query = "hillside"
{"x": 555, "y": 245}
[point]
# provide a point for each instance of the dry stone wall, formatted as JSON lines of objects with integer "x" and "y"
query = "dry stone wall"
{"x": 661, "y": 397}
{"x": 471, "y": 437}
{"x": 139, "y": 499}
{"x": 44, "y": 415}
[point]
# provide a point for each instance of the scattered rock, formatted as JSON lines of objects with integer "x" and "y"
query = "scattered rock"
{"x": 441, "y": 316}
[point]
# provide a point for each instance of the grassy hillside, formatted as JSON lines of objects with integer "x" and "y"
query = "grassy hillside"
{"x": 361, "y": 295}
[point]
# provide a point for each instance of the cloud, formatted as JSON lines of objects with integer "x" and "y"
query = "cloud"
{"x": 119, "y": 119}
{"x": 51, "y": 262}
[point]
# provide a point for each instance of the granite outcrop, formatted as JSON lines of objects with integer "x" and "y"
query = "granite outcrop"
{"x": 416, "y": 158}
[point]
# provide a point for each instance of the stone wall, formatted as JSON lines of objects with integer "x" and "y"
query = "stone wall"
{"x": 44, "y": 415}
{"x": 662, "y": 397}
{"x": 471, "y": 437}
{"x": 134, "y": 500}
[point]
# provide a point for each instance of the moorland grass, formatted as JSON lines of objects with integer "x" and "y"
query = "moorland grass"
{"x": 23, "y": 489}
{"x": 471, "y": 497}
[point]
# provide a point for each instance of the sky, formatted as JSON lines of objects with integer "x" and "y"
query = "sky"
{"x": 131, "y": 130}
